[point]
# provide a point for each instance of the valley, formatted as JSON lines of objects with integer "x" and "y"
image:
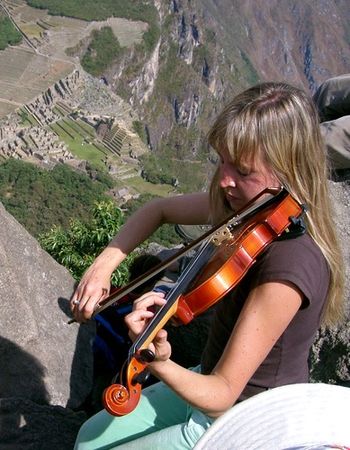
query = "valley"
{"x": 51, "y": 111}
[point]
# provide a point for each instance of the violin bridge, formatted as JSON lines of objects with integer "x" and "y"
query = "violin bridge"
{"x": 220, "y": 236}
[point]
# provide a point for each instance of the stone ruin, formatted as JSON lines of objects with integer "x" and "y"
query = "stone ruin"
{"x": 80, "y": 97}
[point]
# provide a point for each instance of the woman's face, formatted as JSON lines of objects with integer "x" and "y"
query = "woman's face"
{"x": 243, "y": 183}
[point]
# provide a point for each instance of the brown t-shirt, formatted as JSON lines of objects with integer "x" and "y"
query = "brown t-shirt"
{"x": 298, "y": 261}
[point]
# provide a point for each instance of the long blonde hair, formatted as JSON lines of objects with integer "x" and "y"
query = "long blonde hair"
{"x": 278, "y": 124}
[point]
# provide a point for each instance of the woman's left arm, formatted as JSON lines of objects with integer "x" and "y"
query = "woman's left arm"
{"x": 268, "y": 310}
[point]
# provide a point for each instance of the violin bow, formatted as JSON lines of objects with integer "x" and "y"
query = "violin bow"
{"x": 232, "y": 220}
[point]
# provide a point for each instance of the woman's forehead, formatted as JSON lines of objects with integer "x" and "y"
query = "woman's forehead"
{"x": 247, "y": 158}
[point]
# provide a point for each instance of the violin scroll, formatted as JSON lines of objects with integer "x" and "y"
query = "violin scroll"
{"x": 115, "y": 400}
{"x": 122, "y": 398}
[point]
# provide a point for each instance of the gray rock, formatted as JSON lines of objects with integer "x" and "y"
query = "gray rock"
{"x": 43, "y": 359}
{"x": 330, "y": 355}
{"x": 25, "y": 425}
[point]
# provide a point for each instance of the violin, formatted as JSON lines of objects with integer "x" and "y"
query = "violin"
{"x": 221, "y": 262}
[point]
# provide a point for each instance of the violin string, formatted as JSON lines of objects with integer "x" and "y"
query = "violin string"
{"x": 230, "y": 223}
{"x": 201, "y": 257}
{"x": 178, "y": 288}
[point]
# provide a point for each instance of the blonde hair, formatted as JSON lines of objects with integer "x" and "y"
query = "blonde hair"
{"x": 278, "y": 124}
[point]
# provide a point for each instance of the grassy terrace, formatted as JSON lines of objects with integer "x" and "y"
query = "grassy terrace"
{"x": 59, "y": 111}
{"x": 103, "y": 9}
{"x": 78, "y": 142}
{"x": 27, "y": 118}
{"x": 86, "y": 127}
{"x": 140, "y": 185}
{"x": 9, "y": 35}
{"x": 76, "y": 126}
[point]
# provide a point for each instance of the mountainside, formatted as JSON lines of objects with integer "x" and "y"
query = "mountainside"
{"x": 303, "y": 42}
{"x": 175, "y": 63}
{"x": 210, "y": 49}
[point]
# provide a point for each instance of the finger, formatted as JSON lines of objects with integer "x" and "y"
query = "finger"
{"x": 161, "y": 345}
{"x": 78, "y": 295}
{"x": 85, "y": 309}
{"x": 135, "y": 317}
{"x": 149, "y": 295}
{"x": 75, "y": 299}
{"x": 151, "y": 299}
{"x": 161, "y": 336}
{"x": 74, "y": 304}
{"x": 83, "y": 304}
{"x": 137, "y": 321}
{"x": 104, "y": 294}
{"x": 81, "y": 312}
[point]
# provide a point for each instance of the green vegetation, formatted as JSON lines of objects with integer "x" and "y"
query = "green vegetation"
{"x": 43, "y": 199}
{"x": 39, "y": 198}
{"x": 86, "y": 127}
{"x": 251, "y": 74}
{"x": 98, "y": 10}
{"x": 173, "y": 75}
{"x": 9, "y": 35}
{"x": 150, "y": 38}
{"x": 79, "y": 143}
{"x": 59, "y": 111}
{"x": 154, "y": 171}
{"x": 140, "y": 185}
{"x": 98, "y": 57}
{"x": 77, "y": 247}
{"x": 139, "y": 129}
{"x": 26, "y": 118}
{"x": 175, "y": 166}
{"x": 102, "y": 9}
{"x": 104, "y": 48}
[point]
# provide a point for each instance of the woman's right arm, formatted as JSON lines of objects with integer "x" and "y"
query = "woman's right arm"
{"x": 190, "y": 209}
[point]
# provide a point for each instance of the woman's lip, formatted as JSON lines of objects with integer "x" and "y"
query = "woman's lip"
{"x": 230, "y": 197}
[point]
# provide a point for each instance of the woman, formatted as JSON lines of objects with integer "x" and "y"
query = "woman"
{"x": 262, "y": 331}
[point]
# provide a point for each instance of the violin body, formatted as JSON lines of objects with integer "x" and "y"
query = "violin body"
{"x": 234, "y": 257}
{"x": 236, "y": 248}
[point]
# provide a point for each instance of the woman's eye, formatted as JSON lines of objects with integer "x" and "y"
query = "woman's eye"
{"x": 243, "y": 172}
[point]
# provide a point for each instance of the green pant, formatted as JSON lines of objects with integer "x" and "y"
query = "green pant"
{"x": 162, "y": 420}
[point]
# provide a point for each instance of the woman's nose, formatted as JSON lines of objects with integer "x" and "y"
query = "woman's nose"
{"x": 227, "y": 178}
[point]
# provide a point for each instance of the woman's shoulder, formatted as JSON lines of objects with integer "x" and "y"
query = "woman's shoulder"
{"x": 298, "y": 261}
{"x": 302, "y": 246}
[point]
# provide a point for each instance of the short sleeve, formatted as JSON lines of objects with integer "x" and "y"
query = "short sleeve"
{"x": 298, "y": 261}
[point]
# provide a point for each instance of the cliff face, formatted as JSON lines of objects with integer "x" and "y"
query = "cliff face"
{"x": 303, "y": 42}
{"x": 210, "y": 49}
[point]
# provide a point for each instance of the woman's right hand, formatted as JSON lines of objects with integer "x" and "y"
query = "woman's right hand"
{"x": 93, "y": 287}
{"x": 95, "y": 283}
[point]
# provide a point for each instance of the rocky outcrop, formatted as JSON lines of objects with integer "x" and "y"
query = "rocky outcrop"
{"x": 46, "y": 364}
{"x": 330, "y": 356}
{"x": 26, "y": 425}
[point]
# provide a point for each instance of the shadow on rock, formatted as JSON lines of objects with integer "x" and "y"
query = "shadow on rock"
{"x": 27, "y": 421}
{"x": 83, "y": 346}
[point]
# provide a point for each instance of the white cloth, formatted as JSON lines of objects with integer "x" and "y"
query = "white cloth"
{"x": 307, "y": 416}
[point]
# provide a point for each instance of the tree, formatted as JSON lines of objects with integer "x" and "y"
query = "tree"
{"x": 77, "y": 247}
{"x": 9, "y": 35}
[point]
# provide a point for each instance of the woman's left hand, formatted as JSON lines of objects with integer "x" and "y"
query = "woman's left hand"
{"x": 142, "y": 313}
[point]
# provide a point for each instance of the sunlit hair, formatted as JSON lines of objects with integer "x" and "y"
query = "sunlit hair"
{"x": 277, "y": 124}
